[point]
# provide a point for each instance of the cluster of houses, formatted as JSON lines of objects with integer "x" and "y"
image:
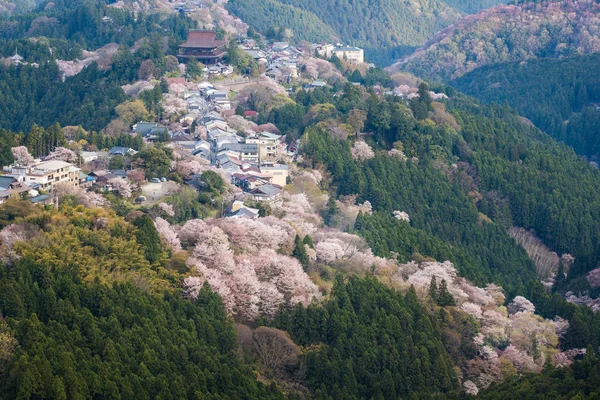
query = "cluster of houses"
{"x": 251, "y": 161}
{"x": 279, "y": 59}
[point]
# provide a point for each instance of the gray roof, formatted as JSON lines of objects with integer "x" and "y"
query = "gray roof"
{"x": 5, "y": 182}
{"x": 40, "y": 198}
{"x": 269, "y": 190}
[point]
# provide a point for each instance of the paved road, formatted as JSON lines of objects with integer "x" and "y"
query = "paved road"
{"x": 154, "y": 192}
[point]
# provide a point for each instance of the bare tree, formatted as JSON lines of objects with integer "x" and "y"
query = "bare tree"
{"x": 275, "y": 349}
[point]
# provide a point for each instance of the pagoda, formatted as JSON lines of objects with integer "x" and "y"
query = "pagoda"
{"x": 203, "y": 46}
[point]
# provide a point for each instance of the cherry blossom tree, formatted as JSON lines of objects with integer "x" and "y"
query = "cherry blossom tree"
{"x": 62, "y": 154}
{"x": 401, "y": 215}
{"x": 136, "y": 176}
{"x": 593, "y": 277}
{"x": 520, "y": 304}
{"x": 22, "y": 156}
{"x": 472, "y": 309}
{"x": 521, "y": 360}
{"x": 546, "y": 261}
{"x": 166, "y": 209}
{"x": 470, "y": 388}
{"x": 85, "y": 198}
{"x": 167, "y": 234}
{"x": 362, "y": 151}
{"x": 192, "y": 286}
{"x": 120, "y": 186}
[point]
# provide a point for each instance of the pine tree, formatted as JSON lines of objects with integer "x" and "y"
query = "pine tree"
{"x": 444, "y": 297}
{"x": 300, "y": 252}
{"x": 331, "y": 210}
{"x": 308, "y": 241}
{"x": 433, "y": 289}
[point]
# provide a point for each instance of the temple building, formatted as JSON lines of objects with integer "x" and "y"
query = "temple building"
{"x": 203, "y": 46}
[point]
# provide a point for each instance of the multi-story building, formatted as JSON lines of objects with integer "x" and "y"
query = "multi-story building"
{"x": 203, "y": 46}
{"x": 45, "y": 175}
{"x": 354, "y": 55}
{"x": 268, "y": 144}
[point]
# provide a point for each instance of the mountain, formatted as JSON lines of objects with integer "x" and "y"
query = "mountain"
{"x": 559, "y": 96}
{"x": 508, "y": 33}
{"x": 386, "y": 29}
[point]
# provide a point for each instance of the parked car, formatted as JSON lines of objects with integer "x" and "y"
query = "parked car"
{"x": 155, "y": 180}
{"x": 140, "y": 199}
{"x": 163, "y": 179}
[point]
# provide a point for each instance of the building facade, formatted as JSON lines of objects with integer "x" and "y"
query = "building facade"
{"x": 203, "y": 46}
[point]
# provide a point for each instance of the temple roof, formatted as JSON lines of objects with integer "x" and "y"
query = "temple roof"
{"x": 202, "y": 39}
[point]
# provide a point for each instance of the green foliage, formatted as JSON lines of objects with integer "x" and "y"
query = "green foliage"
{"x": 193, "y": 68}
{"x": 31, "y": 96}
{"x": 148, "y": 238}
{"x": 157, "y": 161}
{"x": 7, "y": 141}
{"x": 83, "y": 22}
{"x": 558, "y": 96}
{"x": 213, "y": 181}
{"x": 369, "y": 341}
{"x": 299, "y": 252}
{"x": 357, "y": 23}
{"x": 79, "y": 340}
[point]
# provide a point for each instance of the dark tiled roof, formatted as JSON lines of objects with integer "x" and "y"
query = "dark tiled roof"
{"x": 202, "y": 39}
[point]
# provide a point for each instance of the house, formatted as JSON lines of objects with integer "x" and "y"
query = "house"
{"x": 11, "y": 188}
{"x": 267, "y": 193}
{"x": 280, "y": 46}
{"x": 267, "y": 142}
{"x": 100, "y": 178}
{"x": 317, "y": 83}
{"x": 150, "y": 130}
{"x": 121, "y": 151}
{"x": 203, "y": 46}
{"x": 43, "y": 199}
{"x": 239, "y": 210}
{"x": 277, "y": 172}
{"x": 45, "y": 175}
{"x": 248, "y": 182}
{"x": 88, "y": 156}
{"x": 85, "y": 180}
{"x": 324, "y": 50}
{"x": 353, "y": 55}
{"x": 242, "y": 151}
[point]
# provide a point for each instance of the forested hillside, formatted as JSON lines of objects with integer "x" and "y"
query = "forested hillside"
{"x": 11, "y": 7}
{"x": 91, "y": 24}
{"x": 508, "y": 33}
{"x": 367, "y": 341}
{"x": 422, "y": 244}
{"x": 386, "y": 29}
{"x": 93, "y": 318}
{"x": 561, "y": 97}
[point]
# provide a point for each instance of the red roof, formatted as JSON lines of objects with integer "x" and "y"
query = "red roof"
{"x": 249, "y": 113}
{"x": 202, "y": 39}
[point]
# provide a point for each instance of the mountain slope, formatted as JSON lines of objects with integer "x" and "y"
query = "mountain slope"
{"x": 12, "y": 7}
{"x": 508, "y": 33}
{"x": 558, "y": 96}
{"x": 386, "y": 29}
